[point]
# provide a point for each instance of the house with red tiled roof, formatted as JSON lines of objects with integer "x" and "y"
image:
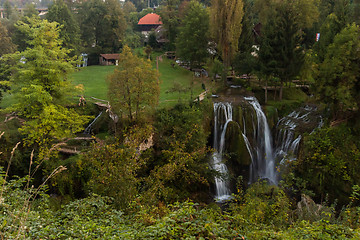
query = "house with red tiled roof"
{"x": 109, "y": 59}
{"x": 149, "y": 23}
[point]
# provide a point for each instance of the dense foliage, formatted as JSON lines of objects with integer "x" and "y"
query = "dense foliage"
{"x": 146, "y": 173}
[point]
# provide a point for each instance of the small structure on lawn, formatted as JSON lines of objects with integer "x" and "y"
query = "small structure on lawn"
{"x": 109, "y": 59}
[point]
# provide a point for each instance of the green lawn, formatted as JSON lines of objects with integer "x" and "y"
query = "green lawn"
{"x": 171, "y": 77}
{"x": 93, "y": 78}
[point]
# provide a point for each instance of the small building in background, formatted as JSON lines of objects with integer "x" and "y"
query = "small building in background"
{"x": 109, "y": 59}
{"x": 149, "y": 23}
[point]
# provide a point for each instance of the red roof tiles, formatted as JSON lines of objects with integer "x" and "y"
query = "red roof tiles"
{"x": 150, "y": 19}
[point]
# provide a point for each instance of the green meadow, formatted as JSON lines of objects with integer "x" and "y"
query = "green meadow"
{"x": 176, "y": 83}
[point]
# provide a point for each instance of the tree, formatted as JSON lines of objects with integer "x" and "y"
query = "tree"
{"x": 332, "y": 25}
{"x": 244, "y": 59}
{"x": 306, "y": 10}
{"x": 41, "y": 87}
{"x": 70, "y": 31}
{"x": 339, "y": 82}
{"x": 113, "y": 171}
{"x": 134, "y": 86}
{"x": 6, "y": 45}
{"x": 357, "y": 11}
{"x": 225, "y": 20}
{"x": 102, "y": 27}
{"x": 192, "y": 42}
{"x": 30, "y": 10}
{"x": 169, "y": 14}
{"x": 128, "y": 8}
{"x": 7, "y": 9}
{"x": 280, "y": 52}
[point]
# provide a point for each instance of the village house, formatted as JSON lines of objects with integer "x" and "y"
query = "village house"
{"x": 150, "y": 22}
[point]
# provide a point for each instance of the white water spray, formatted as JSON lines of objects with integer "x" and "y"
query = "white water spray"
{"x": 263, "y": 163}
{"x": 223, "y": 116}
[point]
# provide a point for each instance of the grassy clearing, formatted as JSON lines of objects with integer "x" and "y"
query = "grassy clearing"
{"x": 176, "y": 83}
{"x": 94, "y": 80}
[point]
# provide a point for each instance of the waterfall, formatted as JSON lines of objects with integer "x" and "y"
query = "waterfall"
{"x": 265, "y": 152}
{"x": 261, "y": 151}
{"x": 88, "y": 128}
{"x": 286, "y": 141}
{"x": 222, "y": 117}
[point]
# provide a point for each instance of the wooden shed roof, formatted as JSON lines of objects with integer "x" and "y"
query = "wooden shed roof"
{"x": 110, "y": 56}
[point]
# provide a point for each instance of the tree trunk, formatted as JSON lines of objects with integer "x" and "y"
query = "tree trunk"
{"x": 281, "y": 90}
{"x": 275, "y": 92}
{"x": 266, "y": 89}
{"x": 224, "y": 75}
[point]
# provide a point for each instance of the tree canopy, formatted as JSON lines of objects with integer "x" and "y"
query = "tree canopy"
{"x": 226, "y": 24}
{"x": 69, "y": 31}
{"x": 192, "y": 41}
{"x": 134, "y": 86}
{"x": 41, "y": 87}
{"x": 339, "y": 81}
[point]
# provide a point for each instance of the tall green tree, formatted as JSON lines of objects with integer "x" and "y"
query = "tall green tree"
{"x": 306, "y": 10}
{"x": 70, "y": 31}
{"x": 41, "y": 87}
{"x": 30, "y": 10}
{"x": 281, "y": 53}
{"x": 7, "y": 9}
{"x": 102, "y": 27}
{"x": 170, "y": 18}
{"x": 332, "y": 25}
{"x": 6, "y": 45}
{"x": 134, "y": 86}
{"x": 244, "y": 60}
{"x": 357, "y": 11}
{"x": 192, "y": 42}
{"x": 339, "y": 82}
{"x": 225, "y": 20}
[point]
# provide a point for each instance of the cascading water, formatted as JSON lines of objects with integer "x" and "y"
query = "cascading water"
{"x": 261, "y": 149}
{"x": 88, "y": 128}
{"x": 223, "y": 115}
{"x": 286, "y": 141}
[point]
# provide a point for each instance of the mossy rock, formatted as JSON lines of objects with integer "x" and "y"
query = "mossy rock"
{"x": 271, "y": 115}
{"x": 235, "y": 145}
